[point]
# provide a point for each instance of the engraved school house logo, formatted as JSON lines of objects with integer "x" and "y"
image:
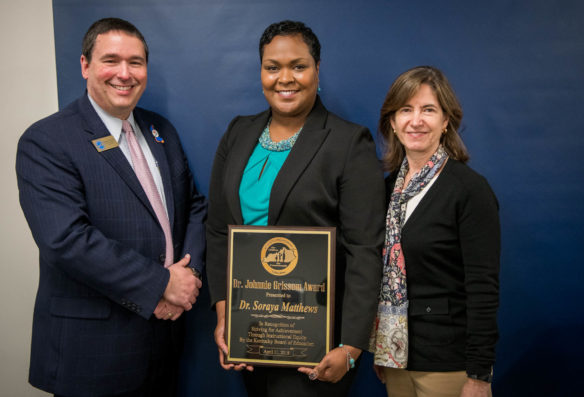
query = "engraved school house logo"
{"x": 279, "y": 256}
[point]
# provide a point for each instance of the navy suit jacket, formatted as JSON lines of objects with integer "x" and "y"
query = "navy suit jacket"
{"x": 101, "y": 250}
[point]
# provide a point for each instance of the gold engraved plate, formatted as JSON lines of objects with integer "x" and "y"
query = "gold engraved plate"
{"x": 280, "y": 295}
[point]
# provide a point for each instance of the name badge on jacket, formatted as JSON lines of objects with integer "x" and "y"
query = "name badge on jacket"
{"x": 105, "y": 143}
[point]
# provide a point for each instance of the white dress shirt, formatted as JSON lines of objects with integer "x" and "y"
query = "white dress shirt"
{"x": 114, "y": 126}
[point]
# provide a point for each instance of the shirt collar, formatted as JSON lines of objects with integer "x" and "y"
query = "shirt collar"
{"x": 113, "y": 124}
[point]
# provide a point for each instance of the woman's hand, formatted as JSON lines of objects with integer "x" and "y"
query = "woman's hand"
{"x": 333, "y": 366}
{"x": 220, "y": 340}
{"x": 475, "y": 388}
{"x": 379, "y": 372}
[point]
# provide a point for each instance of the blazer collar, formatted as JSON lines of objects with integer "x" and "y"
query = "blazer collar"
{"x": 308, "y": 144}
{"x": 96, "y": 129}
{"x": 158, "y": 151}
{"x": 244, "y": 144}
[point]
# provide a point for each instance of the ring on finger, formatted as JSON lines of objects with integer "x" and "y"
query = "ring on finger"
{"x": 313, "y": 375}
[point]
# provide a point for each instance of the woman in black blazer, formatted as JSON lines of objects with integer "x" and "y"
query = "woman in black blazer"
{"x": 296, "y": 164}
{"x": 436, "y": 328}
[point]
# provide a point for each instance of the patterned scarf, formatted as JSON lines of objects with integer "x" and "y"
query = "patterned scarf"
{"x": 389, "y": 339}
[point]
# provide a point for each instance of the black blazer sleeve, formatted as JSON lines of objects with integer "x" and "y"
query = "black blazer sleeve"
{"x": 218, "y": 220}
{"x": 361, "y": 225}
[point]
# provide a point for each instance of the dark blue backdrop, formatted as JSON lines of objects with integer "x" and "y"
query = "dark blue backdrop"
{"x": 517, "y": 68}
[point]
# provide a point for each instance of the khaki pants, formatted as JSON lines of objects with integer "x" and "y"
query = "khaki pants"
{"x": 404, "y": 383}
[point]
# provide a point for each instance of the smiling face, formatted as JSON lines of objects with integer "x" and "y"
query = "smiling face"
{"x": 117, "y": 74}
{"x": 419, "y": 123}
{"x": 289, "y": 76}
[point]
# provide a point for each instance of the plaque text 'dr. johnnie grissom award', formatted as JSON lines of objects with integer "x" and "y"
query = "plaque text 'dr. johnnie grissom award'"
{"x": 280, "y": 295}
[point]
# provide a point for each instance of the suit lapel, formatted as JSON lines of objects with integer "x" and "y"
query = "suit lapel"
{"x": 244, "y": 143}
{"x": 96, "y": 129}
{"x": 159, "y": 154}
{"x": 308, "y": 144}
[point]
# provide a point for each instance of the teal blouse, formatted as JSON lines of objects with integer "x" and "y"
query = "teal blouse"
{"x": 256, "y": 184}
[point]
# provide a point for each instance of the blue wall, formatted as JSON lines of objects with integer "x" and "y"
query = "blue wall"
{"x": 517, "y": 68}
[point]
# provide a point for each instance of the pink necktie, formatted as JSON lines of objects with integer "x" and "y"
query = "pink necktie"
{"x": 147, "y": 181}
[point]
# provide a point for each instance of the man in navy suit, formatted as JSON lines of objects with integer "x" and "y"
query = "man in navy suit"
{"x": 106, "y": 304}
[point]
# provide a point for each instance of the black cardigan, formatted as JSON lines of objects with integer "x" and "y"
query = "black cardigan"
{"x": 451, "y": 245}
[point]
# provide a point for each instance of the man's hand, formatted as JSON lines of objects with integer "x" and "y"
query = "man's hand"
{"x": 167, "y": 311}
{"x": 183, "y": 287}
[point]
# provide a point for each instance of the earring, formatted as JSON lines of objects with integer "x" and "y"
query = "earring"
{"x": 319, "y": 89}
{"x": 445, "y": 130}
{"x": 395, "y": 133}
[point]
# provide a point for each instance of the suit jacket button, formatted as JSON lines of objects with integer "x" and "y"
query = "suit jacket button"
{"x": 162, "y": 258}
{"x": 428, "y": 309}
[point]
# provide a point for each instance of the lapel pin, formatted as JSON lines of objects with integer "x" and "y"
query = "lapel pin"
{"x": 155, "y": 134}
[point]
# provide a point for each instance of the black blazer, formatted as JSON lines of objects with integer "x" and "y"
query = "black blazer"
{"x": 331, "y": 178}
{"x": 101, "y": 251}
{"x": 451, "y": 245}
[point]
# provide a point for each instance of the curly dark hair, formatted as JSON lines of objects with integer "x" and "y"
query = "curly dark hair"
{"x": 287, "y": 28}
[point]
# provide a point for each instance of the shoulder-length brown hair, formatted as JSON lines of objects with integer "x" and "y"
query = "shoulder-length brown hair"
{"x": 400, "y": 92}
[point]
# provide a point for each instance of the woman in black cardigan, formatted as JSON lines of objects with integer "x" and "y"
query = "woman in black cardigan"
{"x": 436, "y": 328}
{"x": 297, "y": 164}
